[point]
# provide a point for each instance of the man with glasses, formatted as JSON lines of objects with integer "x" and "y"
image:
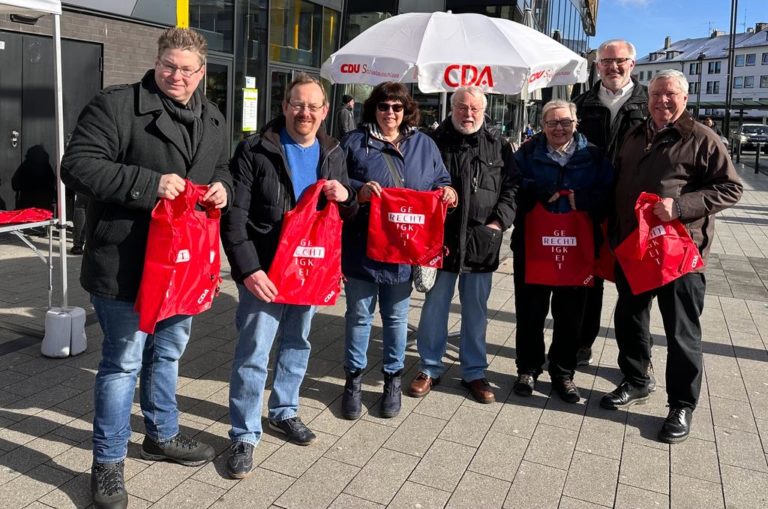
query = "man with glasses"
{"x": 484, "y": 175}
{"x": 606, "y": 113}
{"x": 270, "y": 171}
{"x": 134, "y": 144}
{"x": 686, "y": 164}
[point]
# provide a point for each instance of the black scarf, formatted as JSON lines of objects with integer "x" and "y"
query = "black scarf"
{"x": 188, "y": 118}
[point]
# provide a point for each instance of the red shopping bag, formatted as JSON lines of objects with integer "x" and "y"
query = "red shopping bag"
{"x": 407, "y": 226}
{"x": 605, "y": 264}
{"x": 307, "y": 265}
{"x": 559, "y": 248}
{"x": 182, "y": 260}
{"x": 657, "y": 252}
{"x": 31, "y": 215}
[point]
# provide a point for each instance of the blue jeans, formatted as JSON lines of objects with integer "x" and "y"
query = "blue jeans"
{"x": 124, "y": 352}
{"x": 432, "y": 338}
{"x": 258, "y": 324}
{"x": 393, "y": 307}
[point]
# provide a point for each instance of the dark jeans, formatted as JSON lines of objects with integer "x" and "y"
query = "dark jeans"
{"x": 531, "y": 307}
{"x": 680, "y": 303}
{"x": 590, "y": 325}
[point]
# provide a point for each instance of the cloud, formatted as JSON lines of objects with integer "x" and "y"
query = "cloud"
{"x": 634, "y": 3}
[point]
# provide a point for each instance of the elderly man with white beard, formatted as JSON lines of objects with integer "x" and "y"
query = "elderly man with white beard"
{"x": 484, "y": 174}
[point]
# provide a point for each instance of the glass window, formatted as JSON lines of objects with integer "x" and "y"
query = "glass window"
{"x": 763, "y": 81}
{"x": 751, "y": 59}
{"x": 738, "y": 82}
{"x": 295, "y": 32}
{"x": 713, "y": 87}
{"x": 330, "y": 33}
{"x": 765, "y": 58}
{"x": 215, "y": 20}
{"x": 739, "y": 60}
{"x": 713, "y": 67}
{"x": 749, "y": 82}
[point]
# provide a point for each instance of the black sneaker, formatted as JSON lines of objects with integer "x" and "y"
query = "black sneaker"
{"x": 524, "y": 384}
{"x": 108, "y": 486}
{"x": 584, "y": 356}
{"x": 181, "y": 449}
{"x": 240, "y": 461}
{"x": 296, "y": 431}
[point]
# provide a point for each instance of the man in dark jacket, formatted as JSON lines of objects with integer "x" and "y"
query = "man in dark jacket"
{"x": 132, "y": 145}
{"x": 607, "y": 112}
{"x": 686, "y": 164}
{"x": 270, "y": 172}
{"x": 475, "y": 157}
{"x": 345, "y": 118}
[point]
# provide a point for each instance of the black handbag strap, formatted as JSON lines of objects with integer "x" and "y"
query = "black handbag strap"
{"x": 393, "y": 169}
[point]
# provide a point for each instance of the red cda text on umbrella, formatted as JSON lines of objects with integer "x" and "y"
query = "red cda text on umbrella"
{"x": 466, "y": 75}
{"x": 404, "y": 221}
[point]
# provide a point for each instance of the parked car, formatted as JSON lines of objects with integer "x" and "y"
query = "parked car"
{"x": 748, "y": 135}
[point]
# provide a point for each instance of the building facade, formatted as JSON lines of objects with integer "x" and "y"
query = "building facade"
{"x": 704, "y": 61}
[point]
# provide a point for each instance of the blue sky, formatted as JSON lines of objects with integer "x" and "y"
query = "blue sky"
{"x": 645, "y": 23}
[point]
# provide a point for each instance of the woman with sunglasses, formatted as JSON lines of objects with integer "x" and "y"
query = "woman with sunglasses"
{"x": 386, "y": 142}
{"x": 563, "y": 172}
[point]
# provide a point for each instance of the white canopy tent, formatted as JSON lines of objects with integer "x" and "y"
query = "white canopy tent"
{"x": 36, "y": 8}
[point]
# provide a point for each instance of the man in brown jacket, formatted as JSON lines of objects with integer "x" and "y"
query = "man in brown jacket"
{"x": 686, "y": 164}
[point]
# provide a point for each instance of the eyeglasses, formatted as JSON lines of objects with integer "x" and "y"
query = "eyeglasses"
{"x": 564, "y": 123}
{"x": 185, "y": 71}
{"x": 668, "y": 95}
{"x": 297, "y": 107}
{"x": 396, "y": 107}
{"x": 464, "y": 109}
{"x": 618, "y": 61}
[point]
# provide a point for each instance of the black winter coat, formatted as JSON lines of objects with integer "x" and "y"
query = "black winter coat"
{"x": 595, "y": 118}
{"x": 485, "y": 176}
{"x": 123, "y": 143}
{"x": 263, "y": 193}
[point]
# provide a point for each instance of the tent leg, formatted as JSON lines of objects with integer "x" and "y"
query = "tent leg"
{"x": 62, "y": 205}
{"x": 443, "y": 105}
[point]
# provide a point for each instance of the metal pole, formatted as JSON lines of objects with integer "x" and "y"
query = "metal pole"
{"x": 731, "y": 60}
{"x": 757, "y": 159}
{"x": 61, "y": 192}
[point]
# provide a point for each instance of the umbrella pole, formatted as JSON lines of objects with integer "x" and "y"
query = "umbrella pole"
{"x": 62, "y": 205}
{"x": 443, "y": 105}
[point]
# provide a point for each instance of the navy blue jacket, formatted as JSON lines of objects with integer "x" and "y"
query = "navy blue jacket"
{"x": 421, "y": 168}
{"x": 588, "y": 173}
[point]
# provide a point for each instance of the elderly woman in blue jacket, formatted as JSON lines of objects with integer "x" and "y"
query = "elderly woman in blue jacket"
{"x": 386, "y": 141}
{"x": 555, "y": 160}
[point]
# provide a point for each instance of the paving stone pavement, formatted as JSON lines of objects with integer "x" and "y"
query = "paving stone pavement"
{"x": 444, "y": 450}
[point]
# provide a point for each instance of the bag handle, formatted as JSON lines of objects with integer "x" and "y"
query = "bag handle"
{"x": 392, "y": 169}
{"x": 309, "y": 198}
{"x": 644, "y": 202}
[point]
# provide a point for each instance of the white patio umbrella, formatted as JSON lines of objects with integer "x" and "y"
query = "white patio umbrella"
{"x": 442, "y": 51}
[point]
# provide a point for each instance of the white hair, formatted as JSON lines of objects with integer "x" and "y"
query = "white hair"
{"x": 473, "y": 91}
{"x": 613, "y": 42}
{"x": 558, "y": 103}
{"x": 671, "y": 74}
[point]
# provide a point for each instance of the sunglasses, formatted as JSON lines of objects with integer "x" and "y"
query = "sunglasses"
{"x": 397, "y": 108}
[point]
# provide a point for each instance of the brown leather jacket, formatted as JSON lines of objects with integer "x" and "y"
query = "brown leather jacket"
{"x": 687, "y": 162}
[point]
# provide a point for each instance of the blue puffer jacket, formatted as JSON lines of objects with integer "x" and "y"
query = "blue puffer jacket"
{"x": 588, "y": 173}
{"x": 421, "y": 168}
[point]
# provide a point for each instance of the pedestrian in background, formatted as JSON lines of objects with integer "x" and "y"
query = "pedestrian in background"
{"x": 132, "y": 145}
{"x": 345, "y": 117}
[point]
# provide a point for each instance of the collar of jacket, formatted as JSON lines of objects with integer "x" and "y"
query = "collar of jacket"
{"x": 446, "y": 133}
{"x": 149, "y": 100}
{"x": 683, "y": 127}
{"x": 639, "y": 94}
{"x": 271, "y": 133}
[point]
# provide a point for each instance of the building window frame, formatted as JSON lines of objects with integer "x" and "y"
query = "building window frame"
{"x": 749, "y": 82}
{"x": 738, "y": 82}
{"x": 739, "y": 61}
{"x": 751, "y": 59}
{"x": 713, "y": 67}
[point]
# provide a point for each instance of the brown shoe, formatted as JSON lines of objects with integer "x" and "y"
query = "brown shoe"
{"x": 480, "y": 390}
{"x": 421, "y": 385}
